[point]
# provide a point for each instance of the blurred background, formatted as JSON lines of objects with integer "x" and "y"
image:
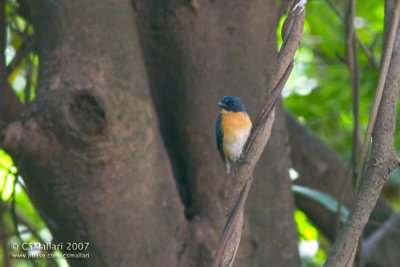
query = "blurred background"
{"x": 320, "y": 75}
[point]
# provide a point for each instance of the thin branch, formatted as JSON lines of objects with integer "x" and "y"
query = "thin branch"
{"x": 376, "y": 246}
{"x": 390, "y": 229}
{"x": 3, "y": 232}
{"x": 23, "y": 51}
{"x": 3, "y": 241}
{"x": 364, "y": 48}
{"x": 13, "y": 209}
{"x": 3, "y": 68}
{"x": 23, "y": 220}
{"x": 8, "y": 235}
{"x": 31, "y": 230}
{"x": 383, "y": 157}
{"x": 322, "y": 169}
{"x": 344, "y": 190}
{"x": 291, "y": 34}
{"x": 10, "y": 106}
{"x": 27, "y": 92}
{"x": 283, "y": 7}
{"x": 379, "y": 91}
{"x": 232, "y": 231}
{"x": 352, "y": 61}
{"x": 14, "y": 215}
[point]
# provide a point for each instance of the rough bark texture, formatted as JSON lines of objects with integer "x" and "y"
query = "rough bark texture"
{"x": 273, "y": 229}
{"x": 89, "y": 147}
{"x": 90, "y": 151}
{"x": 187, "y": 67}
{"x": 320, "y": 168}
{"x": 383, "y": 158}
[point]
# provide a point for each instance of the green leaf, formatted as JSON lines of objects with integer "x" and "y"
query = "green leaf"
{"x": 324, "y": 199}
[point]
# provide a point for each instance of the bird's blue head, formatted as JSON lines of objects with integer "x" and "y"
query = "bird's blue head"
{"x": 232, "y": 104}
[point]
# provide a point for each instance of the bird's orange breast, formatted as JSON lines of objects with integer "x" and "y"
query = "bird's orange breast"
{"x": 236, "y": 128}
{"x": 234, "y": 121}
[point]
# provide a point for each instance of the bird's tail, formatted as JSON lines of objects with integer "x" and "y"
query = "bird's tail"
{"x": 227, "y": 166}
{"x": 230, "y": 165}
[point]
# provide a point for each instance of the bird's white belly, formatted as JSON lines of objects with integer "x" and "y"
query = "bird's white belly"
{"x": 233, "y": 147}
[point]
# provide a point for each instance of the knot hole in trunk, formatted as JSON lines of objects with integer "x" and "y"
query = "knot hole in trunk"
{"x": 87, "y": 114}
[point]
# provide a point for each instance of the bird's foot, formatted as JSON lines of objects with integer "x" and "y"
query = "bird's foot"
{"x": 242, "y": 161}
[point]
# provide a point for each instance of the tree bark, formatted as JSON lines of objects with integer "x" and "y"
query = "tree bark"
{"x": 320, "y": 168}
{"x": 90, "y": 151}
{"x": 272, "y": 229}
{"x": 89, "y": 148}
{"x": 383, "y": 158}
{"x": 196, "y": 52}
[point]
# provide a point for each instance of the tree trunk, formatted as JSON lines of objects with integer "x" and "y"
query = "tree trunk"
{"x": 118, "y": 148}
{"x": 196, "y": 53}
{"x": 92, "y": 157}
{"x": 90, "y": 147}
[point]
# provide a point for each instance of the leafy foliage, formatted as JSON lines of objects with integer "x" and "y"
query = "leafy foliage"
{"x": 19, "y": 220}
{"x": 312, "y": 252}
{"x": 319, "y": 90}
{"x": 325, "y": 200}
{"x": 318, "y": 93}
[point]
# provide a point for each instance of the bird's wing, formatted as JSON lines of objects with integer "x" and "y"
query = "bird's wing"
{"x": 220, "y": 136}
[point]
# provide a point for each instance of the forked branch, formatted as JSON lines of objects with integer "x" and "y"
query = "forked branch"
{"x": 383, "y": 158}
{"x": 291, "y": 34}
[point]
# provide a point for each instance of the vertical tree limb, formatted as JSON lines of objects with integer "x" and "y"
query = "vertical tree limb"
{"x": 379, "y": 90}
{"x": 292, "y": 33}
{"x": 320, "y": 168}
{"x": 364, "y": 48}
{"x": 352, "y": 61}
{"x": 383, "y": 158}
{"x": 92, "y": 157}
{"x": 3, "y": 67}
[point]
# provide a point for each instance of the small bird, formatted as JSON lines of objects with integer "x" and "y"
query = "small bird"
{"x": 232, "y": 130}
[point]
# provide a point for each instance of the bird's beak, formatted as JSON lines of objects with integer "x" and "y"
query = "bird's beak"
{"x": 222, "y": 105}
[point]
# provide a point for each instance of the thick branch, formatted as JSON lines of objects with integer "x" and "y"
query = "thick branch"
{"x": 28, "y": 140}
{"x": 98, "y": 181}
{"x": 292, "y": 33}
{"x": 320, "y": 168}
{"x": 187, "y": 68}
{"x": 381, "y": 249}
{"x": 379, "y": 91}
{"x": 383, "y": 161}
